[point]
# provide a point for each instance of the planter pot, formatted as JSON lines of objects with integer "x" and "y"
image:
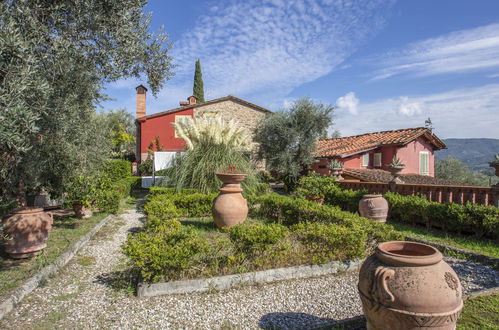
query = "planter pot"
{"x": 374, "y": 207}
{"x": 27, "y": 229}
{"x": 81, "y": 211}
{"x": 336, "y": 172}
{"x": 230, "y": 208}
{"x": 317, "y": 199}
{"x": 407, "y": 285}
{"x": 396, "y": 171}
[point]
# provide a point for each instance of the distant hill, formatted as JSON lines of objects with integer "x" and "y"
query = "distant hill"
{"x": 474, "y": 153}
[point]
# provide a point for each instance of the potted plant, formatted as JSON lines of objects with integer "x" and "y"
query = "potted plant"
{"x": 79, "y": 194}
{"x": 336, "y": 168}
{"x": 395, "y": 168}
{"x": 229, "y": 207}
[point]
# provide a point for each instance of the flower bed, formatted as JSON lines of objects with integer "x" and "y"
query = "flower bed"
{"x": 283, "y": 231}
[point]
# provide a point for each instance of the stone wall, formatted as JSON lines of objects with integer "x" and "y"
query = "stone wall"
{"x": 245, "y": 116}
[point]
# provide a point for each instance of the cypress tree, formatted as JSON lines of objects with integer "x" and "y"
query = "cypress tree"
{"x": 198, "y": 90}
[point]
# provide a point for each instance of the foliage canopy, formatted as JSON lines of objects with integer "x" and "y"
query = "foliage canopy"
{"x": 55, "y": 58}
{"x": 287, "y": 138}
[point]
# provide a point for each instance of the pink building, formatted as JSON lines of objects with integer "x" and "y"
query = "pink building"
{"x": 413, "y": 146}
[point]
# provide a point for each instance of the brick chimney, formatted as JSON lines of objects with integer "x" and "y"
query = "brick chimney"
{"x": 191, "y": 100}
{"x": 141, "y": 101}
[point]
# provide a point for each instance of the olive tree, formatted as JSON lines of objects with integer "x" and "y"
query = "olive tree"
{"x": 287, "y": 138}
{"x": 55, "y": 57}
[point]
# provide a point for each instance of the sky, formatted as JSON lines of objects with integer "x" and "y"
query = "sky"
{"x": 383, "y": 64}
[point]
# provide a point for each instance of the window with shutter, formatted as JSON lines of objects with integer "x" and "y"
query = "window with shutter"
{"x": 424, "y": 163}
{"x": 365, "y": 160}
{"x": 377, "y": 159}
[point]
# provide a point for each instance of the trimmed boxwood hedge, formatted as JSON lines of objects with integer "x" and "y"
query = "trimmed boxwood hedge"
{"x": 480, "y": 220}
{"x": 293, "y": 231}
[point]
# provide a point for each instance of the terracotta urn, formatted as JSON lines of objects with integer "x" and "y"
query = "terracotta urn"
{"x": 407, "y": 285}
{"x": 230, "y": 208}
{"x": 27, "y": 230}
{"x": 396, "y": 171}
{"x": 336, "y": 172}
{"x": 374, "y": 207}
{"x": 78, "y": 209}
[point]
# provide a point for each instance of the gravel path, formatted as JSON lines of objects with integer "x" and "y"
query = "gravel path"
{"x": 80, "y": 296}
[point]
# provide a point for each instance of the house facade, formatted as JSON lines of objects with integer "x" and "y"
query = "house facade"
{"x": 414, "y": 147}
{"x": 149, "y": 127}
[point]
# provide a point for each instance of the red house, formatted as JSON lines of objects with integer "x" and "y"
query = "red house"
{"x": 149, "y": 127}
{"x": 413, "y": 146}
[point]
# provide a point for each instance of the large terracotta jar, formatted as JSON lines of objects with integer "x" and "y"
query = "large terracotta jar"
{"x": 230, "y": 208}
{"x": 374, "y": 207}
{"x": 27, "y": 229}
{"x": 407, "y": 285}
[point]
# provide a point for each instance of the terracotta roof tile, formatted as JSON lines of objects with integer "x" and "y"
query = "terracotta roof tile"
{"x": 374, "y": 175}
{"x": 346, "y": 146}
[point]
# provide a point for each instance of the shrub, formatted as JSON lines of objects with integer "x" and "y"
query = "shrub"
{"x": 479, "y": 219}
{"x": 346, "y": 199}
{"x": 315, "y": 185}
{"x": 266, "y": 177}
{"x": 162, "y": 207}
{"x": 290, "y": 211}
{"x": 166, "y": 252}
{"x": 194, "y": 205}
{"x": 135, "y": 182}
{"x": 326, "y": 242}
{"x": 117, "y": 169}
{"x": 108, "y": 200}
{"x": 153, "y": 191}
{"x": 251, "y": 239}
{"x": 145, "y": 168}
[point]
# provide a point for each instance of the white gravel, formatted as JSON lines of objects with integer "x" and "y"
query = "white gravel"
{"x": 79, "y": 297}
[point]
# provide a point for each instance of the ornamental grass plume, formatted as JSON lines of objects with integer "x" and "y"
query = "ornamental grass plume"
{"x": 213, "y": 145}
{"x": 212, "y": 130}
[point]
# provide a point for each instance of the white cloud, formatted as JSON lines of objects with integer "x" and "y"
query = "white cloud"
{"x": 460, "y": 51}
{"x": 348, "y": 102}
{"x": 408, "y": 108}
{"x": 465, "y": 113}
{"x": 264, "y": 49}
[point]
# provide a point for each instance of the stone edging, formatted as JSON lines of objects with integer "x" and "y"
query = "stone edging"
{"x": 472, "y": 255}
{"x": 229, "y": 281}
{"x": 17, "y": 296}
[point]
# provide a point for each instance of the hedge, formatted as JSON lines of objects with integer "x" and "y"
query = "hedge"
{"x": 481, "y": 220}
{"x": 293, "y": 210}
{"x": 117, "y": 169}
{"x": 167, "y": 205}
{"x": 316, "y": 185}
{"x": 108, "y": 198}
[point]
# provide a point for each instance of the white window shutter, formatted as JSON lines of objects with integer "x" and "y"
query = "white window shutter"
{"x": 365, "y": 159}
{"x": 424, "y": 166}
{"x": 377, "y": 159}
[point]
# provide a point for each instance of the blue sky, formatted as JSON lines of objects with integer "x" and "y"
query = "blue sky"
{"x": 383, "y": 64}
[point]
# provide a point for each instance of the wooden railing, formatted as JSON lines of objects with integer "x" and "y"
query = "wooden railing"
{"x": 436, "y": 193}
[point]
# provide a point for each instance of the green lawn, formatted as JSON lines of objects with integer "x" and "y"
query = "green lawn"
{"x": 480, "y": 313}
{"x": 65, "y": 232}
{"x": 482, "y": 246}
